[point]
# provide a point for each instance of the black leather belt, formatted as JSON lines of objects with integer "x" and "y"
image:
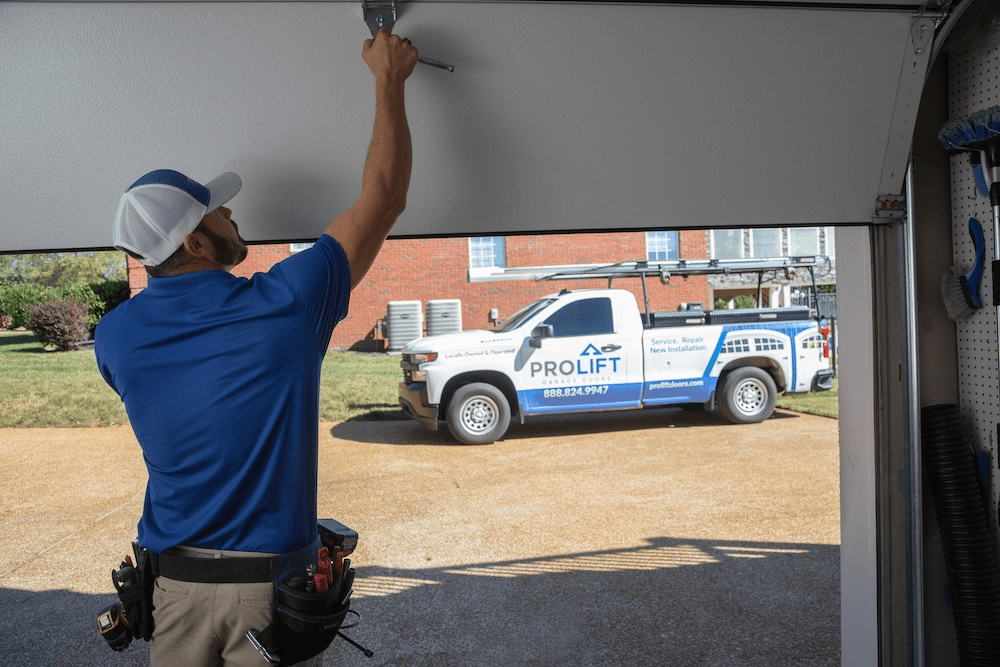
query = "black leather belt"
{"x": 238, "y": 570}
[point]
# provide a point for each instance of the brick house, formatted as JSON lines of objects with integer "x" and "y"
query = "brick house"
{"x": 446, "y": 268}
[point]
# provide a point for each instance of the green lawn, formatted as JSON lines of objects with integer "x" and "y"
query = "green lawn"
{"x": 43, "y": 388}
{"x": 823, "y": 403}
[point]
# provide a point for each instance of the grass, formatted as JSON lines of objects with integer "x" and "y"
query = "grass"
{"x": 43, "y": 388}
{"x": 360, "y": 385}
{"x": 823, "y": 403}
{"x": 40, "y": 388}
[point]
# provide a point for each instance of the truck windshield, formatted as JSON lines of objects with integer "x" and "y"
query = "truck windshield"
{"x": 518, "y": 318}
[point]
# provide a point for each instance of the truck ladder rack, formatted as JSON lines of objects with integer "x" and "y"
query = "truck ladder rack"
{"x": 664, "y": 269}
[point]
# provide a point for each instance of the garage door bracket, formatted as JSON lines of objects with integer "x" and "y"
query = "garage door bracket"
{"x": 889, "y": 209}
{"x": 379, "y": 14}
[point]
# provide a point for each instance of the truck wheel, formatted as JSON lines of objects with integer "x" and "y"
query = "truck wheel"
{"x": 748, "y": 396}
{"x": 478, "y": 414}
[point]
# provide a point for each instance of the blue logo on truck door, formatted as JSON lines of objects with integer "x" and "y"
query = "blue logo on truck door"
{"x": 583, "y": 382}
{"x": 595, "y": 364}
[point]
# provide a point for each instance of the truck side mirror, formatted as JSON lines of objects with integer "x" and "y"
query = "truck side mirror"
{"x": 540, "y": 332}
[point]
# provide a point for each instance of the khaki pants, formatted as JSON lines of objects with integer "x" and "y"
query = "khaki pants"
{"x": 205, "y": 625}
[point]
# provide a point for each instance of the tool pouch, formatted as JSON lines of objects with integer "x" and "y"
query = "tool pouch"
{"x": 304, "y": 623}
{"x": 135, "y": 590}
{"x": 145, "y": 566}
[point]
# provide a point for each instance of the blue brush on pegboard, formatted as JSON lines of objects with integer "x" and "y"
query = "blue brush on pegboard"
{"x": 979, "y": 134}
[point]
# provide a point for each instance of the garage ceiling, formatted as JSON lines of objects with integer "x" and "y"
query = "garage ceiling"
{"x": 559, "y": 116}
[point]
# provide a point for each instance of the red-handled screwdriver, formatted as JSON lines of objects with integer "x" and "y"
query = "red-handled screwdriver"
{"x": 323, "y": 565}
{"x": 338, "y": 561}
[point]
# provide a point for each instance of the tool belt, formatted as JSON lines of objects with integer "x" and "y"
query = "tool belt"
{"x": 241, "y": 570}
{"x": 311, "y": 602}
{"x": 305, "y": 620}
{"x": 134, "y": 583}
{"x": 311, "y": 595}
{"x": 304, "y": 625}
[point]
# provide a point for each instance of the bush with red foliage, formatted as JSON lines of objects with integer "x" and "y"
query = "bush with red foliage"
{"x": 60, "y": 323}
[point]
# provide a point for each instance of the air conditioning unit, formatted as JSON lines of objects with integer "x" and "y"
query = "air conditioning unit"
{"x": 404, "y": 321}
{"x": 444, "y": 316}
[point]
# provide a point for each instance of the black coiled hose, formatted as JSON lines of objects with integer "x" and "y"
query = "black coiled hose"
{"x": 969, "y": 553}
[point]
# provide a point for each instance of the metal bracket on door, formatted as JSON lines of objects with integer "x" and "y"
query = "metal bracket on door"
{"x": 381, "y": 14}
{"x": 889, "y": 209}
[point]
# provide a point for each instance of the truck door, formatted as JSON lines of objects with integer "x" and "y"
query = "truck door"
{"x": 583, "y": 365}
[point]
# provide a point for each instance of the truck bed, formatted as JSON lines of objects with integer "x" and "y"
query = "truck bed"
{"x": 684, "y": 318}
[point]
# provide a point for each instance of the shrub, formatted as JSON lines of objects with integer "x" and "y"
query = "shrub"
{"x": 111, "y": 292}
{"x": 744, "y": 301}
{"x": 16, "y": 298}
{"x": 81, "y": 294}
{"x": 721, "y": 303}
{"x": 60, "y": 323}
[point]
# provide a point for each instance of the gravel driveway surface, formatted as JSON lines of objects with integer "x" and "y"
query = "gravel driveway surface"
{"x": 635, "y": 538}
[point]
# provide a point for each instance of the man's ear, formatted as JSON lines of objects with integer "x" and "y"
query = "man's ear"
{"x": 197, "y": 244}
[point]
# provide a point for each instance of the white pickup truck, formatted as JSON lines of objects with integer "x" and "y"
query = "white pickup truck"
{"x": 593, "y": 350}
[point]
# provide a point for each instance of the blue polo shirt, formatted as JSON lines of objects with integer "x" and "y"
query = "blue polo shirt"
{"x": 220, "y": 378}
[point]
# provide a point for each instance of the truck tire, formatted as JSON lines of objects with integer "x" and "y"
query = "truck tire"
{"x": 478, "y": 414}
{"x": 748, "y": 395}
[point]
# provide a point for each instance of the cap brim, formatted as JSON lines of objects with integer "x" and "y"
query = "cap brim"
{"x": 222, "y": 189}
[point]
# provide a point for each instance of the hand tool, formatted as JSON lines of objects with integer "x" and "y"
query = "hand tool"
{"x": 323, "y": 565}
{"x": 381, "y": 14}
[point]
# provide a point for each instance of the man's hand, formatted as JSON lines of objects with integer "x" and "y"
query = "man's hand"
{"x": 390, "y": 58}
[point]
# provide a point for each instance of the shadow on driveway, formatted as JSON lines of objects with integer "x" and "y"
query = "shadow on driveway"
{"x": 672, "y": 602}
{"x": 372, "y": 428}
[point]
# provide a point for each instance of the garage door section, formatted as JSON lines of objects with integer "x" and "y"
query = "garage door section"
{"x": 558, "y": 116}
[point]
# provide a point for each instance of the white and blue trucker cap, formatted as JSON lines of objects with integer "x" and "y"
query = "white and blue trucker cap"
{"x": 161, "y": 208}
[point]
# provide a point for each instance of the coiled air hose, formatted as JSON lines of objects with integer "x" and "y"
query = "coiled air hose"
{"x": 969, "y": 552}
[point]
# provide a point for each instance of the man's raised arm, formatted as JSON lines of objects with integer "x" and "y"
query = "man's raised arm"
{"x": 362, "y": 229}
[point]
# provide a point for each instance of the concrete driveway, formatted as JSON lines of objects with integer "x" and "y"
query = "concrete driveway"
{"x": 651, "y": 538}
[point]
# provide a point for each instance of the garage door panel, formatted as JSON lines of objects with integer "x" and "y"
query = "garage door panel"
{"x": 559, "y": 116}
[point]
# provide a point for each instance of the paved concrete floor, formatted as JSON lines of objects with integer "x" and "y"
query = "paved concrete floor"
{"x": 650, "y": 538}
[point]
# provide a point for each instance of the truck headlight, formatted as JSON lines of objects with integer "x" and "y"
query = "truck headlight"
{"x": 423, "y": 357}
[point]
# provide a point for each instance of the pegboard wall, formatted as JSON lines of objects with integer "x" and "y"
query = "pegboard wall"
{"x": 974, "y": 84}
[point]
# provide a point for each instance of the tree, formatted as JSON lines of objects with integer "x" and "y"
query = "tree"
{"x": 63, "y": 269}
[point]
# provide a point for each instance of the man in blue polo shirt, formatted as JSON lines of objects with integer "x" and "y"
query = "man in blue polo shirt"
{"x": 220, "y": 375}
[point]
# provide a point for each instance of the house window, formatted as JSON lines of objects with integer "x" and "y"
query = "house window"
{"x": 770, "y": 242}
{"x": 662, "y": 245}
{"x": 727, "y": 243}
{"x": 803, "y": 241}
{"x": 487, "y": 252}
{"x": 765, "y": 243}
